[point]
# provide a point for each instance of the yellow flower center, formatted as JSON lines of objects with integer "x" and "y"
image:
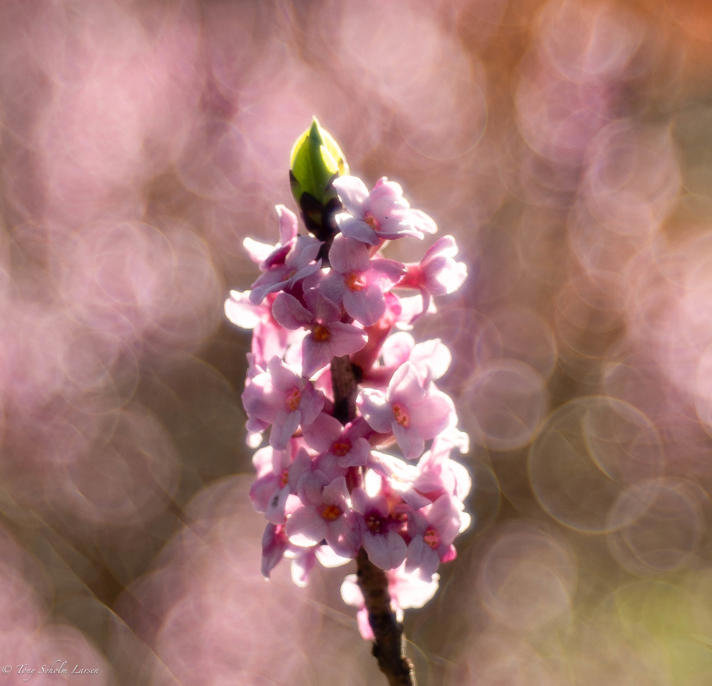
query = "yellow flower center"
{"x": 355, "y": 281}
{"x": 321, "y": 333}
{"x": 340, "y": 448}
{"x": 401, "y": 416}
{"x": 371, "y": 221}
{"x": 283, "y": 478}
{"x": 331, "y": 512}
{"x": 294, "y": 397}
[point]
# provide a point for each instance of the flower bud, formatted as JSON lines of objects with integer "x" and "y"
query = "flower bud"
{"x": 316, "y": 160}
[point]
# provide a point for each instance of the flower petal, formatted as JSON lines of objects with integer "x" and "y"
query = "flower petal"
{"x": 322, "y": 432}
{"x": 347, "y": 255}
{"x": 376, "y": 410}
{"x": 357, "y": 229}
{"x": 345, "y": 338}
{"x": 352, "y": 192}
{"x": 386, "y": 552}
{"x": 305, "y": 527}
{"x": 366, "y": 306}
{"x": 409, "y": 440}
{"x": 315, "y": 355}
{"x": 289, "y": 312}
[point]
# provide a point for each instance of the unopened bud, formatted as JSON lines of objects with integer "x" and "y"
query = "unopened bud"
{"x": 316, "y": 160}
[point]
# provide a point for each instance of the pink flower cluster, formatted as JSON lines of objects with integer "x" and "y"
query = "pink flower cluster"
{"x": 384, "y": 481}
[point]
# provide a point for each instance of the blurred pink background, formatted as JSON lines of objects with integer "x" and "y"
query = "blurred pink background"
{"x": 566, "y": 144}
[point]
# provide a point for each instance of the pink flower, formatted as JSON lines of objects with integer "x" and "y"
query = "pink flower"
{"x": 278, "y": 473}
{"x": 438, "y": 273}
{"x": 328, "y": 337}
{"x": 358, "y": 282}
{"x": 265, "y": 254}
{"x": 281, "y": 398}
{"x": 268, "y": 338}
{"x": 431, "y": 358}
{"x": 274, "y": 545}
{"x": 439, "y": 475}
{"x": 412, "y": 409}
{"x": 382, "y": 213}
{"x": 380, "y": 538}
{"x": 345, "y": 445}
{"x": 432, "y": 530}
{"x": 325, "y": 513}
{"x": 285, "y": 267}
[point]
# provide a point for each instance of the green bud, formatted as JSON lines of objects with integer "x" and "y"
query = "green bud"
{"x": 316, "y": 160}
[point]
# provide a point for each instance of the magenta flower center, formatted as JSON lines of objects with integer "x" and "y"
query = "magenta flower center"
{"x": 374, "y": 522}
{"x": 294, "y": 397}
{"x": 321, "y": 333}
{"x": 355, "y": 281}
{"x": 431, "y": 537}
{"x": 340, "y": 447}
{"x": 331, "y": 512}
{"x": 400, "y": 414}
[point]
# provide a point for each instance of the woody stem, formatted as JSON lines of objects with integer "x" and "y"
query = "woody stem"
{"x": 389, "y": 642}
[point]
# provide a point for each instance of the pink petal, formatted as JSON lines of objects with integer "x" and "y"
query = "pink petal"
{"x": 396, "y": 349}
{"x": 275, "y": 507}
{"x": 333, "y": 287}
{"x": 357, "y": 456}
{"x": 444, "y": 516}
{"x": 343, "y": 535}
{"x": 386, "y": 552}
{"x": 302, "y": 564}
{"x": 323, "y": 432}
{"x": 324, "y": 309}
{"x": 409, "y": 440}
{"x": 432, "y": 414}
{"x": 241, "y": 312}
{"x": 385, "y": 197}
{"x": 285, "y": 424}
{"x": 433, "y": 355}
{"x": 336, "y": 493}
{"x": 305, "y": 249}
{"x": 289, "y": 312}
{"x": 347, "y": 255}
{"x": 366, "y": 306}
{"x": 305, "y": 527}
{"x": 385, "y": 273}
{"x": 445, "y": 245}
{"x": 352, "y": 192}
{"x": 357, "y": 229}
{"x": 274, "y": 543}
{"x": 287, "y": 224}
{"x": 351, "y": 592}
{"x": 376, "y": 410}
{"x": 364, "y": 625}
{"x": 311, "y": 405}
{"x": 257, "y": 251}
{"x": 405, "y": 385}
{"x": 421, "y": 557}
{"x": 346, "y": 338}
{"x": 262, "y": 491}
{"x": 315, "y": 355}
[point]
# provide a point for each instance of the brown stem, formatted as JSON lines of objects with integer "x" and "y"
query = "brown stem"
{"x": 389, "y": 643}
{"x": 389, "y": 646}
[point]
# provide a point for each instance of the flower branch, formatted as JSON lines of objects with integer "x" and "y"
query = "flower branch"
{"x": 357, "y": 459}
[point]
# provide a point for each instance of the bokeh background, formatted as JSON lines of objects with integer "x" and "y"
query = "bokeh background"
{"x": 567, "y": 144}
